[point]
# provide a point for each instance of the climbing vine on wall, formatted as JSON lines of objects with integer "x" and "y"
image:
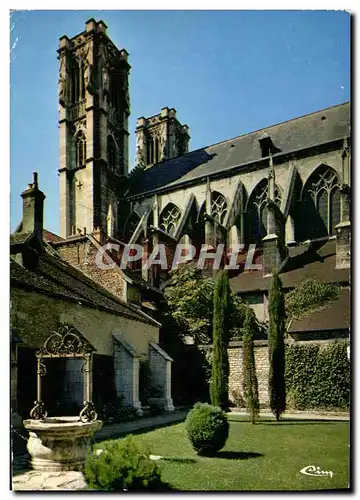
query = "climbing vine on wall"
{"x": 318, "y": 376}
{"x": 308, "y": 296}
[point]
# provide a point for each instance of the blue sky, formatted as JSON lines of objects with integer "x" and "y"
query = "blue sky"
{"x": 226, "y": 72}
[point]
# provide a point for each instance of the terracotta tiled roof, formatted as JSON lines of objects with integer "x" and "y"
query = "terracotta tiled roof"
{"x": 18, "y": 237}
{"x": 50, "y": 237}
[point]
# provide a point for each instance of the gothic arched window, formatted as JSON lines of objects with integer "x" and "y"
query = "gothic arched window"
{"x": 150, "y": 151}
{"x": 80, "y": 144}
{"x": 169, "y": 218}
{"x": 82, "y": 79}
{"x": 157, "y": 150}
{"x": 218, "y": 207}
{"x": 320, "y": 204}
{"x": 75, "y": 81}
{"x": 111, "y": 153}
{"x": 257, "y": 211}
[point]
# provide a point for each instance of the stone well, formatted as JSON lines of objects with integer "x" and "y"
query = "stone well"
{"x": 60, "y": 443}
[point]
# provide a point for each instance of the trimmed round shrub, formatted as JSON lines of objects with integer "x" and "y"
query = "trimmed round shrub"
{"x": 121, "y": 465}
{"x": 207, "y": 428}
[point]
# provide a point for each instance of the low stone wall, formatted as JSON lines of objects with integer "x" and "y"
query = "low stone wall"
{"x": 236, "y": 368}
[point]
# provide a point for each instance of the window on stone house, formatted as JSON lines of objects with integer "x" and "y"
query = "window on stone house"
{"x": 321, "y": 203}
{"x": 80, "y": 148}
{"x": 169, "y": 218}
{"x": 257, "y": 211}
{"x": 219, "y": 207}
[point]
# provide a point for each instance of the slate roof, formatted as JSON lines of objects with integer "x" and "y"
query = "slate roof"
{"x": 336, "y": 316}
{"x": 300, "y": 133}
{"x": 316, "y": 261}
{"x": 56, "y": 277}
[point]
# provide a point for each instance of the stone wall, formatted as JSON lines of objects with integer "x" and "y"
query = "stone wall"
{"x": 126, "y": 368}
{"x": 236, "y": 367}
{"x": 82, "y": 255}
{"x": 35, "y": 316}
{"x": 160, "y": 368}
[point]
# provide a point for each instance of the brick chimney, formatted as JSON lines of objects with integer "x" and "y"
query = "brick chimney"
{"x": 33, "y": 209}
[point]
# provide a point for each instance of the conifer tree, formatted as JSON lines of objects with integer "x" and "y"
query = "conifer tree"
{"x": 277, "y": 394}
{"x": 220, "y": 363}
{"x": 250, "y": 383}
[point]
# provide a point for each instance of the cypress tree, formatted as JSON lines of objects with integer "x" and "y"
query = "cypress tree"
{"x": 220, "y": 363}
{"x": 277, "y": 394}
{"x": 250, "y": 383}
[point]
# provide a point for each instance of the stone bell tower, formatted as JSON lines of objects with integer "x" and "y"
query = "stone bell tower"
{"x": 94, "y": 109}
{"x": 160, "y": 137}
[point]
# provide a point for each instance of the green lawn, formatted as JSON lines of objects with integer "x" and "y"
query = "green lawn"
{"x": 265, "y": 456}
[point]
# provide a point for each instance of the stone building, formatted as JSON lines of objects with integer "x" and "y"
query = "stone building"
{"x": 94, "y": 110}
{"x": 276, "y": 187}
{"x": 284, "y": 189}
{"x": 160, "y": 138}
{"x": 47, "y": 295}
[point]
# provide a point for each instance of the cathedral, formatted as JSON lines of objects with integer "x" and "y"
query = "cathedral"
{"x": 275, "y": 188}
{"x": 283, "y": 190}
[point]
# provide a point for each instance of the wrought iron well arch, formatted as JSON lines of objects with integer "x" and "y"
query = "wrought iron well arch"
{"x": 66, "y": 342}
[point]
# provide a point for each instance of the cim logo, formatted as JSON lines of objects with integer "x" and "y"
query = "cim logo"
{"x": 316, "y": 471}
